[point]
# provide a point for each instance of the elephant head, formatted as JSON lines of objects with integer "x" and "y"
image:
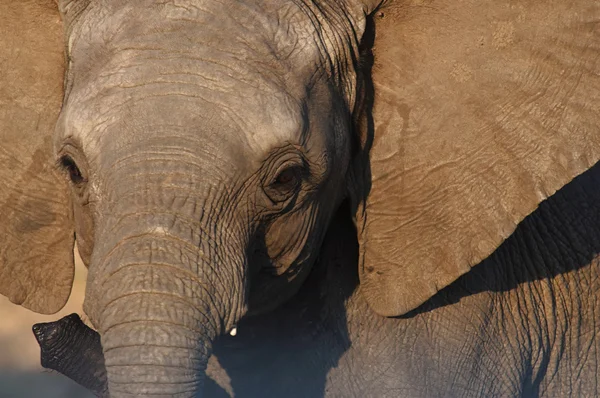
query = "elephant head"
{"x": 202, "y": 148}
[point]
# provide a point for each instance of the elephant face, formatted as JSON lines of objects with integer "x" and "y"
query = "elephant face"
{"x": 232, "y": 140}
{"x": 204, "y": 166}
{"x": 206, "y": 145}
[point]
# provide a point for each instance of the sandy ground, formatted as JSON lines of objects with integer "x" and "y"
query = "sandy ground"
{"x": 21, "y": 375}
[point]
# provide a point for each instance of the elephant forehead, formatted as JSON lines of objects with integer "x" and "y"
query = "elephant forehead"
{"x": 187, "y": 64}
{"x": 233, "y": 42}
{"x": 235, "y": 125}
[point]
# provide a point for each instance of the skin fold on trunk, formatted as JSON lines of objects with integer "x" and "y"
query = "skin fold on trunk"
{"x": 157, "y": 307}
{"x": 70, "y": 347}
{"x": 155, "y": 321}
{"x": 154, "y": 342}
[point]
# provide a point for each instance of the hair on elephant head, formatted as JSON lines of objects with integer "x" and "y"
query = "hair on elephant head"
{"x": 204, "y": 152}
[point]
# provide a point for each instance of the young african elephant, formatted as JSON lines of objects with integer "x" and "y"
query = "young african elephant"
{"x": 204, "y": 149}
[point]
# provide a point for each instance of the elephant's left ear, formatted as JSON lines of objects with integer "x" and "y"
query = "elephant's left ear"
{"x": 36, "y": 232}
{"x": 482, "y": 109}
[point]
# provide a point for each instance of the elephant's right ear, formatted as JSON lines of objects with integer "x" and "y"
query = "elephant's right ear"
{"x": 36, "y": 228}
{"x": 482, "y": 109}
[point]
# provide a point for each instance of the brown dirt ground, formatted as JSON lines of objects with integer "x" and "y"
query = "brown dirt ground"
{"x": 21, "y": 375}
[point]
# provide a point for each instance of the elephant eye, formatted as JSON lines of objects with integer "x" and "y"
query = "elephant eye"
{"x": 68, "y": 164}
{"x": 285, "y": 184}
{"x": 285, "y": 179}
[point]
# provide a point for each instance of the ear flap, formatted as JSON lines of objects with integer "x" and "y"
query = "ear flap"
{"x": 482, "y": 110}
{"x": 36, "y": 233}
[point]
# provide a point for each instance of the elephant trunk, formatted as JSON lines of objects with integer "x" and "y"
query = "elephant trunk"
{"x": 164, "y": 354}
{"x": 158, "y": 304}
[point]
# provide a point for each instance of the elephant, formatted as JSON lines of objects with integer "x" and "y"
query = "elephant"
{"x": 377, "y": 198}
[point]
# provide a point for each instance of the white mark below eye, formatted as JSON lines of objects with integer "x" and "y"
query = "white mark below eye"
{"x": 233, "y": 331}
{"x": 159, "y": 230}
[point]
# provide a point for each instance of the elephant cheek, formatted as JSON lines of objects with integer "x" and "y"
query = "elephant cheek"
{"x": 287, "y": 237}
{"x": 84, "y": 230}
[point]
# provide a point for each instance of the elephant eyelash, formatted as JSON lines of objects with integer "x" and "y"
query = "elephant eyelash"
{"x": 67, "y": 164}
{"x": 285, "y": 184}
{"x": 287, "y": 179}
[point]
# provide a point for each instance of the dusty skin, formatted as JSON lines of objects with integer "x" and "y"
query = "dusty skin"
{"x": 21, "y": 375}
{"x": 207, "y": 149}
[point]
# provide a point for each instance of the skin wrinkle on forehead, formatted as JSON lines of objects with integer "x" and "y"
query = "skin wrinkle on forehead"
{"x": 140, "y": 87}
{"x": 128, "y": 59}
{"x": 259, "y": 46}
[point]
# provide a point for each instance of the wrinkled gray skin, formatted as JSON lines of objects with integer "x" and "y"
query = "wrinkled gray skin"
{"x": 523, "y": 323}
{"x": 517, "y": 325}
{"x": 200, "y": 163}
{"x": 205, "y": 166}
{"x": 74, "y": 349}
